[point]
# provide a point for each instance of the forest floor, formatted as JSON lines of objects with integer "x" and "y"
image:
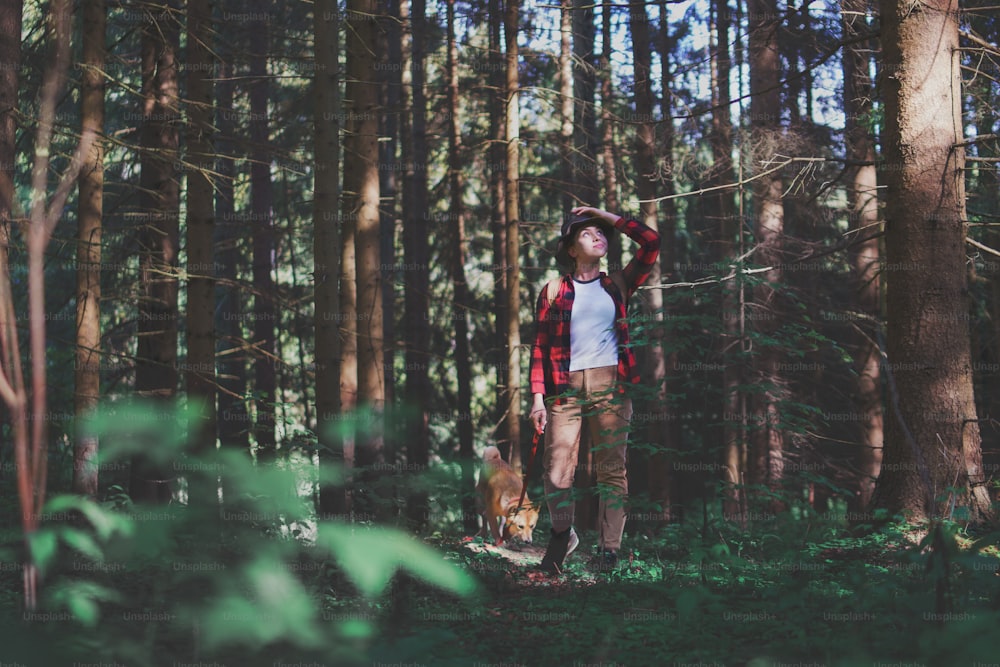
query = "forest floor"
{"x": 870, "y": 602}
{"x": 788, "y": 593}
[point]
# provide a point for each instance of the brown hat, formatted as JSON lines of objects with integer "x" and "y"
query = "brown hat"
{"x": 572, "y": 224}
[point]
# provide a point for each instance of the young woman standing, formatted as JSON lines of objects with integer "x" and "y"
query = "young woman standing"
{"x": 581, "y": 363}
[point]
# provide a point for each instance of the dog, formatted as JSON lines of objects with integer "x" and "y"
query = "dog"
{"x": 498, "y": 492}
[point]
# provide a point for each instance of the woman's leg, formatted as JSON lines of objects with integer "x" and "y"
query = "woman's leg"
{"x": 609, "y": 417}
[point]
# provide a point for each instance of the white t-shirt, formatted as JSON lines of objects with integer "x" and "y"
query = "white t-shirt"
{"x": 593, "y": 342}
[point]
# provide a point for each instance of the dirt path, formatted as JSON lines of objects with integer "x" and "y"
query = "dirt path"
{"x": 518, "y": 562}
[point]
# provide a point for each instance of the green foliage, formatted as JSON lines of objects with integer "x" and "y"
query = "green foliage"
{"x": 244, "y": 576}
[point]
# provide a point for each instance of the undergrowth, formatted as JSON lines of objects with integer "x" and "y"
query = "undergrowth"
{"x": 137, "y": 586}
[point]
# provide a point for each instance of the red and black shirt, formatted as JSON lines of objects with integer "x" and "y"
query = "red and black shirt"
{"x": 550, "y": 352}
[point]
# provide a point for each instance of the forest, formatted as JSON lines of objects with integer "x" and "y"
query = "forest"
{"x": 270, "y": 276}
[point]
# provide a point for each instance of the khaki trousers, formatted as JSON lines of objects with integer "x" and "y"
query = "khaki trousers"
{"x": 593, "y": 397}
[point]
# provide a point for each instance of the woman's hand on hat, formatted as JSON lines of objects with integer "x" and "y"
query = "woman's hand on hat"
{"x": 595, "y": 212}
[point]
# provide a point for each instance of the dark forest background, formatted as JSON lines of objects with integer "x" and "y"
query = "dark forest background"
{"x": 267, "y": 288}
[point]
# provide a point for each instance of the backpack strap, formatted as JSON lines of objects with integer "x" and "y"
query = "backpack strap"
{"x": 552, "y": 289}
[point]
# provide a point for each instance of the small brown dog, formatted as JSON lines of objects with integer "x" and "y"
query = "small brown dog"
{"x": 498, "y": 492}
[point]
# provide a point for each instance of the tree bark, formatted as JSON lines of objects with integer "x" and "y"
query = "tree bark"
{"x": 416, "y": 254}
{"x": 90, "y": 204}
{"x": 361, "y": 190}
{"x": 609, "y": 157}
{"x": 265, "y": 315}
{"x": 862, "y": 201}
{"x": 932, "y": 466}
{"x": 723, "y": 209}
{"x": 326, "y": 248}
{"x": 566, "y": 104}
{"x": 463, "y": 299}
{"x": 495, "y": 173}
{"x": 646, "y": 184}
{"x": 200, "y": 369}
{"x": 156, "y": 372}
{"x": 512, "y": 255}
{"x": 10, "y": 58}
{"x": 766, "y": 462}
{"x": 584, "y": 156}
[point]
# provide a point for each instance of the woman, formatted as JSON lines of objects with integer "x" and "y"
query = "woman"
{"x": 580, "y": 364}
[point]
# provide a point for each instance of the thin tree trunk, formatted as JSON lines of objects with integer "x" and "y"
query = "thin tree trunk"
{"x": 609, "y": 147}
{"x": 863, "y": 205}
{"x": 512, "y": 256}
{"x": 723, "y": 210}
{"x": 663, "y": 487}
{"x": 566, "y": 104}
{"x": 394, "y": 153}
{"x": 416, "y": 248}
{"x": 767, "y": 439}
{"x": 362, "y": 190}
{"x": 88, "y": 254}
{"x": 200, "y": 230}
{"x": 156, "y": 372}
{"x": 10, "y": 66}
{"x": 230, "y": 232}
{"x": 932, "y": 464}
{"x": 10, "y": 58}
{"x": 496, "y": 172}
{"x": 646, "y": 183}
{"x": 585, "y": 119}
{"x": 31, "y": 443}
{"x": 261, "y": 215}
{"x": 463, "y": 300}
{"x": 326, "y": 249}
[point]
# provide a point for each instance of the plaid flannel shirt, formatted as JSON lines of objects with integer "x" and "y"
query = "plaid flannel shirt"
{"x": 549, "y": 370}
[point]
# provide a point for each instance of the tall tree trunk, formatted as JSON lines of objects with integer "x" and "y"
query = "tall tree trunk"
{"x": 200, "y": 368}
{"x": 362, "y": 191}
{"x": 723, "y": 209}
{"x": 496, "y": 172}
{"x": 463, "y": 299}
{"x": 416, "y": 249}
{"x": 10, "y": 65}
{"x": 326, "y": 248}
{"x": 394, "y": 39}
{"x": 663, "y": 487}
{"x": 609, "y": 157}
{"x": 88, "y": 253}
{"x": 585, "y": 118}
{"x": 932, "y": 459}
{"x": 233, "y": 418}
{"x": 512, "y": 255}
{"x": 766, "y": 465}
{"x": 261, "y": 214}
{"x": 10, "y": 58}
{"x": 566, "y": 105}
{"x": 862, "y": 201}
{"x": 159, "y": 201}
{"x": 646, "y": 183}
{"x": 583, "y": 163}
{"x": 348, "y": 283}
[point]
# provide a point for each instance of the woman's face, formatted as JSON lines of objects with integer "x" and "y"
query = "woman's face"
{"x": 589, "y": 246}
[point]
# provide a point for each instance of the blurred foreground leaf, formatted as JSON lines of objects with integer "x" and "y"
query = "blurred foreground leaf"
{"x": 371, "y": 556}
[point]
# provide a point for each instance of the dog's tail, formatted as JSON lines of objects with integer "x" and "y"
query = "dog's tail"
{"x": 491, "y": 453}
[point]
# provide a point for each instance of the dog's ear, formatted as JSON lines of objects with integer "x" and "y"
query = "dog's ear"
{"x": 503, "y": 523}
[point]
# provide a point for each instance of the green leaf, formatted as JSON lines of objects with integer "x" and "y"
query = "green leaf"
{"x": 370, "y": 557}
{"x": 105, "y": 522}
{"x": 42, "y": 545}
{"x": 271, "y": 605}
{"x": 81, "y": 541}
{"x": 82, "y": 599}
